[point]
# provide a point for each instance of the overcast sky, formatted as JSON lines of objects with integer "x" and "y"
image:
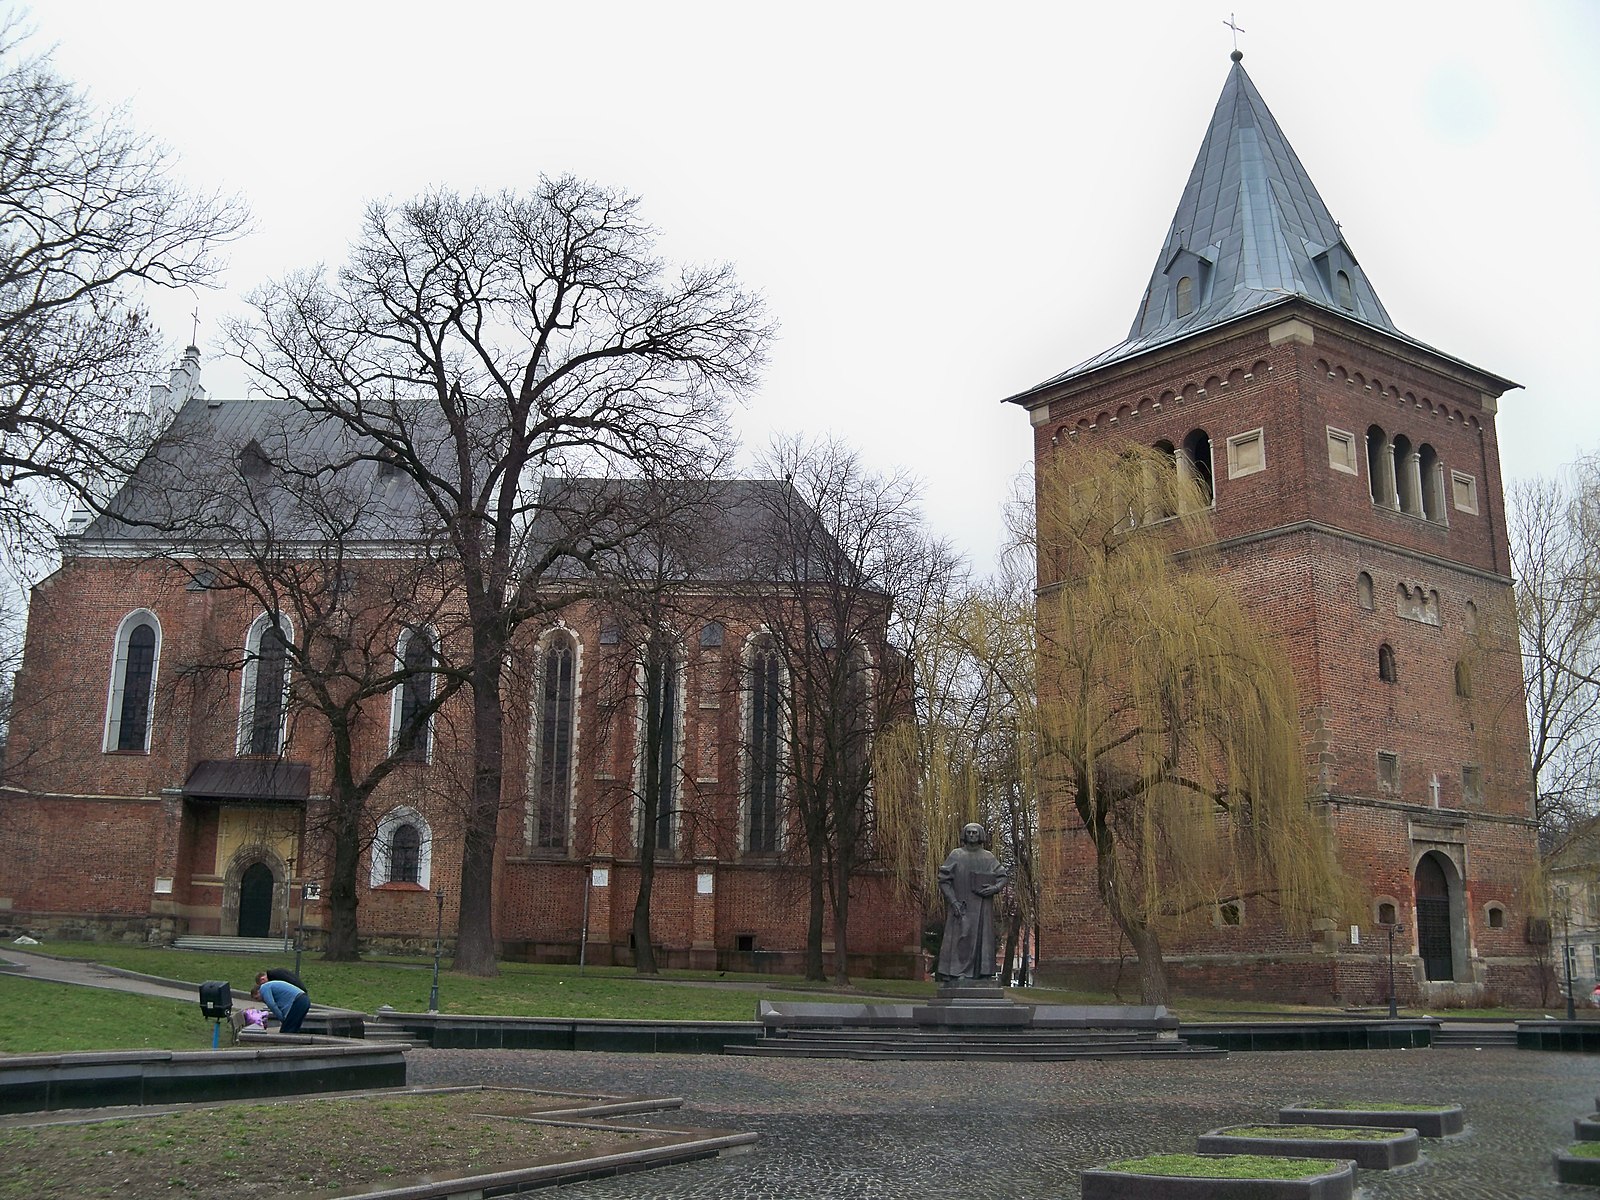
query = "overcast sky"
{"x": 942, "y": 203}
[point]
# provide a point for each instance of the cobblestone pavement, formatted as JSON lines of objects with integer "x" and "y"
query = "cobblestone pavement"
{"x": 1024, "y": 1130}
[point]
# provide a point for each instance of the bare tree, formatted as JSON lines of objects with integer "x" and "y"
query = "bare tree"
{"x": 485, "y": 342}
{"x": 1554, "y": 527}
{"x": 89, "y": 215}
{"x": 847, "y": 576}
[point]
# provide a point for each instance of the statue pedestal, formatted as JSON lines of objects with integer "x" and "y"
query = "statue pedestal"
{"x": 972, "y": 1004}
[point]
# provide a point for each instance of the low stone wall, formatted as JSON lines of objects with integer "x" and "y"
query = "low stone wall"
{"x": 446, "y": 1031}
{"x": 291, "y": 1066}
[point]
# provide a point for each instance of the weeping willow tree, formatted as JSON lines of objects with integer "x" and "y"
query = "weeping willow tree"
{"x": 972, "y": 751}
{"x": 1168, "y": 722}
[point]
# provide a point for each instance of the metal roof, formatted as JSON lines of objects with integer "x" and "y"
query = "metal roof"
{"x": 1250, "y": 232}
{"x": 249, "y": 779}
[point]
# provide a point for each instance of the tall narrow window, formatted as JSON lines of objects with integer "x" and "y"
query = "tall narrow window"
{"x": 1431, "y": 478}
{"x": 1380, "y": 467}
{"x": 1196, "y": 461}
{"x": 405, "y": 854}
{"x": 1386, "y": 668}
{"x": 1347, "y": 297}
{"x": 658, "y": 742}
{"x": 262, "y": 705}
{"x": 412, "y": 731}
{"x": 764, "y": 748}
{"x": 402, "y": 849}
{"x": 1185, "y": 296}
{"x": 552, "y": 781}
{"x": 133, "y": 677}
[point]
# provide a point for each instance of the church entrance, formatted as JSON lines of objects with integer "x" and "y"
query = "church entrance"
{"x": 255, "y": 901}
{"x": 1433, "y": 919}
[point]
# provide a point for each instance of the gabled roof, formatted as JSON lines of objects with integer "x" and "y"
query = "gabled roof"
{"x": 1250, "y": 232}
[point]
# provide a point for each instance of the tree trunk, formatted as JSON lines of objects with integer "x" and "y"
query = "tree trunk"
{"x": 344, "y": 893}
{"x": 1146, "y": 945}
{"x": 475, "y": 944}
{"x": 1013, "y": 937}
{"x": 841, "y": 922}
{"x": 814, "y": 966}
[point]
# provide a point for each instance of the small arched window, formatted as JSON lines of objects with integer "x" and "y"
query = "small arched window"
{"x": 1386, "y": 913}
{"x": 405, "y": 854}
{"x": 402, "y": 849}
{"x": 1196, "y": 463}
{"x": 1497, "y": 917}
{"x": 1347, "y": 297}
{"x": 1185, "y": 294}
{"x": 1364, "y": 591}
{"x": 1431, "y": 478}
{"x": 1469, "y": 617}
{"x": 1464, "y": 679}
{"x": 133, "y": 681}
{"x": 1380, "y": 466}
{"x": 1386, "y": 668}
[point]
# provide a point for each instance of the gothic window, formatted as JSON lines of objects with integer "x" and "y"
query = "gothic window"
{"x": 1386, "y": 667}
{"x": 1196, "y": 463}
{"x": 1185, "y": 295}
{"x": 659, "y": 729}
{"x": 402, "y": 849}
{"x": 411, "y": 728}
{"x": 263, "y": 701}
{"x": 133, "y": 681}
{"x": 1364, "y": 591}
{"x": 553, "y": 748}
{"x": 764, "y": 683}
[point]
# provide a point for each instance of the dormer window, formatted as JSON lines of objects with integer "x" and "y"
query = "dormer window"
{"x": 253, "y": 460}
{"x": 1185, "y": 293}
{"x": 1346, "y": 294}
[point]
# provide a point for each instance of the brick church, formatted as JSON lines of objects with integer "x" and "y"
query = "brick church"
{"x": 166, "y": 775}
{"x": 1355, "y": 488}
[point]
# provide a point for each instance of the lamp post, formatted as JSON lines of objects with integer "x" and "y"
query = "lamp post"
{"x": 438, "y": 947}
{"x": 308, "y": 891}
{"x": 1394, "y": 928}
{"x": 1566, "y": 948}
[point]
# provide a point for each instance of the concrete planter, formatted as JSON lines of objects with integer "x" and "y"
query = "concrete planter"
{"x": 1370, "y": 1154}
{"x": 1444, "y": 1121}
{"x": 1338, "y": 1182}
{"x": 1587, "y": 1129}
{"x": 1571, "y": 1168}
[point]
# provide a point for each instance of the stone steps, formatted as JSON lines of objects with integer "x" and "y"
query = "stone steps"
{"x": 1468, "y": 1038}
{"x": 232, "y": 945}
{"x": 390, "y": 1034}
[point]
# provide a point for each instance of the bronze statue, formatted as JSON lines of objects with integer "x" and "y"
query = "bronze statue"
{"x": 969, "y": 880}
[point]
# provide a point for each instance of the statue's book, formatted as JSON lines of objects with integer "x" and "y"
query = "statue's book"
{"x": 981, "y": 879}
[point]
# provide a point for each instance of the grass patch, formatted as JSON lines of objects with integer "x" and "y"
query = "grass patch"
{"x": 50, "y": 1018}
{"x": 1584, "y": 1150}
{"x": 1331, "y": 1133}
{"x": 1223, "y": 1166}
{"x": 1376, "y": 1106}
{"x": 282, "y": 1149}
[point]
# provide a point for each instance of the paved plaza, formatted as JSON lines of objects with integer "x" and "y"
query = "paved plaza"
{"x": 1024, "y": 1130}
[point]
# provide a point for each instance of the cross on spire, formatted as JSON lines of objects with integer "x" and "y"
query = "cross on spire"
{"x": 194, "y": 332}
{"x": 1232, "y": 24}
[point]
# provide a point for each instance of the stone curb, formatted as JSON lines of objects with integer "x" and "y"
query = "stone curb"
{"x": 1399, "y": 1149}
{"x": 1338, "y": 1183}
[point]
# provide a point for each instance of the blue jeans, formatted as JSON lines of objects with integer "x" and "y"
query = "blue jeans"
{"x": 297, "y": 1013}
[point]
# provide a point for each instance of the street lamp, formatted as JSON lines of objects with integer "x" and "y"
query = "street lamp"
{"x": 1394, "y": 928}
{"x": 438, "y": 947}
{"x": 308, "y": 891}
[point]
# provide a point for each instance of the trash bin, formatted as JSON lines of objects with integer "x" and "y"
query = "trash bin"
{"x": 216, "y": 999}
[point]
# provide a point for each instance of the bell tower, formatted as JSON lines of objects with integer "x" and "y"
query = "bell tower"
{"x": 1356, "y": 494}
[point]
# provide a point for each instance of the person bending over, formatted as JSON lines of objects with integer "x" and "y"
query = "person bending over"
{"x": 284, "y": 1001}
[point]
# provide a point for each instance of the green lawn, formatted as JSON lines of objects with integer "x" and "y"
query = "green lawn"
{"x": 49, "y": 1018}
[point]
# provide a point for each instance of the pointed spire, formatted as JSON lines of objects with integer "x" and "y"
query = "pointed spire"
{"x": 1249, "y": 232}
{"x": 1250, "y": 228}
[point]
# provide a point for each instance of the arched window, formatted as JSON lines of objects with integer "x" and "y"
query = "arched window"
{"x": 1463, "y": 679}
{"x": 763, "y": 745}
{"x": 1380, "y": 466}
{"x": 1347, "y": 297}
{"x": 402, "y": 849}
{"x": 659, "y": 732}
{"x": 551, "y": 785}
{"x": 1364, "y": 591}
{"x": 1407, "y": 478}
{"x": 1432, "y": 480}
{"x": 263, "y": 703}
{"x": 133, "y": 683}
{"x": 1196, "y": 462}
{"x": 410, "y": 723}
{"x": 1160, "y": 507}
{"x": 1469, "y": 617}
{"x": 1185, "y": 294}
{"x": 1386, "y": 668}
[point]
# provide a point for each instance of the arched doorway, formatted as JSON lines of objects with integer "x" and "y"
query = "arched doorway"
{"x": 255, "y": 901}
{"x": 1433, "y": 919}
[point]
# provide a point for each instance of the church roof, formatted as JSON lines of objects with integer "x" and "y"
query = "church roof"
{"x": 1250, "y": 232}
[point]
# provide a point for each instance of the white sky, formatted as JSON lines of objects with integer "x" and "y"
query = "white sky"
{"x": 943, "y": 203}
